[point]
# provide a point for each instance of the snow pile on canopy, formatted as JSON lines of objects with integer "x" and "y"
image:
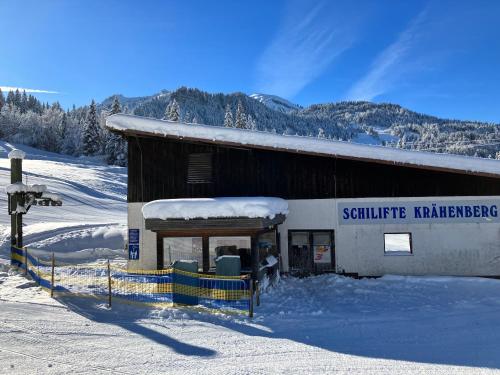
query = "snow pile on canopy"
{"x": 204, "y": 208}
{"x": 17, "y": 154}
{"x": 259, "y": 139}
{"x": 19, "y": 187}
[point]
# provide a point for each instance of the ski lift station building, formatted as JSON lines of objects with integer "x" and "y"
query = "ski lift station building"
{"x": 312, "y": 205}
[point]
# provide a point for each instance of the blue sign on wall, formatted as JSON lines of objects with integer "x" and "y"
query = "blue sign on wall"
{"x": 133, "y": 244}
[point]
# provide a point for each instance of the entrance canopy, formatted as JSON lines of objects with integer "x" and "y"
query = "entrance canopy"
{"x": 214, "y": 213}
{"x": 243, "y": 226}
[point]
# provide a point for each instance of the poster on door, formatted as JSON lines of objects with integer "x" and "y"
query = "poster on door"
{"x": 322, "y": 254}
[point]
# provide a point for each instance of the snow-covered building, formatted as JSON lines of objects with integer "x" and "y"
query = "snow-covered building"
{"x": 197, "y": 192}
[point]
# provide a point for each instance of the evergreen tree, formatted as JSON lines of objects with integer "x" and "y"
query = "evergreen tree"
{"x": 114, "y": 145}
{"x": 251, "y": 124}
{"x": 11, "y": 98}
{"x": 91, "y": 132}
{"x": 116, "y": 108}
{"x": 175, "y": 110}
{"x": 241, "y": 119}
{"x": 17, "y": 98}
{"x": 2, "y": 99}
{"x": 23, "y": 104}
{"x": 228, "y": 117}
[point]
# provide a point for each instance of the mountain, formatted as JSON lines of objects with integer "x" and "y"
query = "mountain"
{"x": 276, "y": 103}
{"x": 355, "y": 121}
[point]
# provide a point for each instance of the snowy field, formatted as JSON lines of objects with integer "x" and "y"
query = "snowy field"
{"x": 325, "y": 324}
{"x": 92, "y": 221}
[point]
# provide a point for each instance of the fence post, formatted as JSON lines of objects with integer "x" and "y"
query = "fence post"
{"x": 250, "y": 307}
{"x": 38, "y": 270}
{"x": 109, "y": 284}
{"x": 25, "y": 260}
{"x": 52, "y": 277}
{"x": 257, "y": 293}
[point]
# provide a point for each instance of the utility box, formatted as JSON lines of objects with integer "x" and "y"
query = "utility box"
{"x": 228, "y": 265}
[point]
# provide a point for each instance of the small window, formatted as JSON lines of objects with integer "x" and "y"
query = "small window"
{"x": 397, "y": 244}
{"x": 199, "y": 169}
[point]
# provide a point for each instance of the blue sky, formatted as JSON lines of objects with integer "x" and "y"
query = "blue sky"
{"x": 440, "y": 58}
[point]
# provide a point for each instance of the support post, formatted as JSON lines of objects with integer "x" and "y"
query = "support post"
{"x": 109, "y": 284}
{"x": 205, "y": 253}
{"x": 255, "y": 259}
{"x": 52, "y": 277}
{"x": 250, "y": 307}
{"x": 16, "y": 221}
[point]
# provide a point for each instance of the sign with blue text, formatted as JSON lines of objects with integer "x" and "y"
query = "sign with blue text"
{"x": 133, "y": 244}
{"x": 418, "y": 212}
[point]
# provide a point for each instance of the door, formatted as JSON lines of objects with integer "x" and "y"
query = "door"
{"x": 311, "y": 251}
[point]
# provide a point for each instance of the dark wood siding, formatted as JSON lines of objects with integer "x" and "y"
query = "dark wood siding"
{"x": 161, "y": 173}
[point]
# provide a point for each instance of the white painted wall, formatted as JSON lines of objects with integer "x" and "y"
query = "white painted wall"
{"x": 468, "y": 249}
{"x": 147, "y": 238}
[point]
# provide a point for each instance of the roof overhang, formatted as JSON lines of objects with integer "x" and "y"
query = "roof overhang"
{"x": 236, "y": 224}
{"x": 194, "y": 133}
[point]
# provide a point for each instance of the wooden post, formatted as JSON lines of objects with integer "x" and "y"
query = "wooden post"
{"x": 109, "y": 284}
{"x": 205, "y": 253}
{"x": 250, "y": 307}
{"x": 52, "y": 277}
{"x": 25, "y": 250}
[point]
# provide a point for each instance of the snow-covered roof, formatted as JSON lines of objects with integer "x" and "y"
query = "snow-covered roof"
{"x": 17, "y": 154}
{"x": 204, "y": 208}
{"x": 135, "y": 125}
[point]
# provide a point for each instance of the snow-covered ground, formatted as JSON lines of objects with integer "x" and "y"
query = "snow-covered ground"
{"x": 91, "y": 222}
{"x": 325, "y": 324}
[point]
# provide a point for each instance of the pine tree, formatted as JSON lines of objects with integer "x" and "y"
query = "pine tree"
{"x": 23, "y": 104}
{"x": 228, "y": 117}
{"x": 10, "y": 98}
{"x": 115, "y": 108}
{"x": 91, "y": 132}
{"x": 2, "y": 100}
{"x": 114, "y": 144}
{"x": 175, "y": 110}
{"x": 251, "y": 124}
{"x": 17, "y": 98}
{"x": 240, "y": 117}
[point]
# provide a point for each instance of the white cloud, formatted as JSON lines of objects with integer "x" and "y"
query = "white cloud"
{"x": 304, "y": 46}
{"x": 34, "y": 91}
{"x": 390, "y": 64}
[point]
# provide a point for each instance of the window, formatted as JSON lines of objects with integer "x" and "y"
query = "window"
{"x": 219, "y": 246}
{"x": 182, "y": 248}
{"x": 199, "y": 169}
{"x": 397, "y": 244}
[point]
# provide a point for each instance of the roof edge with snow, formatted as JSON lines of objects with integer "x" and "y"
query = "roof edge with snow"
{"x": 130, "y": 125}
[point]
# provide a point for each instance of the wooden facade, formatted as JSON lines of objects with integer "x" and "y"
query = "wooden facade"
{"x": 158, "y": 169}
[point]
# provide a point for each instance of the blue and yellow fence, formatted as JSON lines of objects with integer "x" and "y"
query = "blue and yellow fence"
{"x": 167, "y": 288}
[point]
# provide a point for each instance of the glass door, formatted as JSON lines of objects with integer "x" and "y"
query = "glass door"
{"x": 311, "y": 251}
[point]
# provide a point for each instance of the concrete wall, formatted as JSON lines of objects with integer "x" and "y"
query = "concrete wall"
{"x": 469, "y": 249}
{"x": 147, "y": 240}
